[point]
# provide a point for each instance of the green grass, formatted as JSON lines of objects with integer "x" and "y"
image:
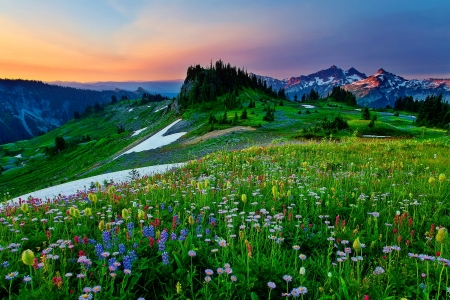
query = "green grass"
{"x": 36, "y": 171}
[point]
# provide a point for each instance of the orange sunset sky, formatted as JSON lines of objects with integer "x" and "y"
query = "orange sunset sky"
{"x": 157, "y": 40}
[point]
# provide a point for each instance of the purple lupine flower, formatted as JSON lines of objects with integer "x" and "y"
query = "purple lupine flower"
{"x": 165, "y": 258}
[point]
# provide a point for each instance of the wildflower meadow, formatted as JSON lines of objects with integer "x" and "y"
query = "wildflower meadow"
{"x": 322, "y": 220}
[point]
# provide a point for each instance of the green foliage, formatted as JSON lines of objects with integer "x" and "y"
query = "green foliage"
{"x": 236, "y": 119}
{"x": 372, "y": 121}
{"x": 270, "y": 114}
{"x": 205, "y": 85}
{"x": 113, "y": 99}
{"x": 60, "y": 143}
{"x": 365, "y": 113}
{"x": 150, "y": 98}
{"x": 339, "y": 94}
{"x": 120, "y": 129}
{"x": 311, "y": 96}
{"x": 434, "y": 112}
{"x": 244, "y": 115}
{"x": 407, "y": 103}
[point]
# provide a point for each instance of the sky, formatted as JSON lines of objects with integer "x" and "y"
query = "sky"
{"x": 147, "y": 40}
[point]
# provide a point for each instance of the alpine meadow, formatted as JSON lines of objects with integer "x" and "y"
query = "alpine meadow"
{"x": 119, "y": 180}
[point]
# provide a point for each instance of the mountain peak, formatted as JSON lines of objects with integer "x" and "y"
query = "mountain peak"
{"x": 334, "y": 67}
{"x": 381, "y": 71}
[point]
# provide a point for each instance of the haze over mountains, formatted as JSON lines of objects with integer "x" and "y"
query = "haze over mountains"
{"x": 169, "y": 88}
{"x": 377, "y": 90}
{"x": 33, "y": 107}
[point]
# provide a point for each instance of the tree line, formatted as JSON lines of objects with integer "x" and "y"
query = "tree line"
{"x": 432, "y": 112}
{"x": 204, "y": 85}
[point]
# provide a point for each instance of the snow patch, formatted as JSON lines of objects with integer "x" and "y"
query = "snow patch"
{"x": 353, "y": 78}
{"x": 71, "y": 188}
{"x": 138, "y": 131}
{"x": 18, "y": 156}
{"x": 308, "y": 106}
{"x": 130, "y": 110}
{"x": 160, "y": 108}
{"x": 157, "y": 140}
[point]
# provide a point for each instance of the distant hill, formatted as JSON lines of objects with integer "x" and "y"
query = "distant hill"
{"x": 30, "y": 108}
{"x": 377, "y": 90}
{"x": 169, "y": 88}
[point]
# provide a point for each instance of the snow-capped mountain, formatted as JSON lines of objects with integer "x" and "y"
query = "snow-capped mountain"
{"x": 383, "y": 88}
{"x": 377, "y": 90}
{"x": 322, "y": 81}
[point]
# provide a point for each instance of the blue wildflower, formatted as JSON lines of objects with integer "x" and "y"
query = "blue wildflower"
{"x": 165, "y": 258}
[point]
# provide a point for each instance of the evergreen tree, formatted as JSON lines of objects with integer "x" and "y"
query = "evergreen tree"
{"x": 236, "y": 119}
{"x": 366, "y": 113}
{"x": 244, "y": 114}
{"x": 60, "y": 143}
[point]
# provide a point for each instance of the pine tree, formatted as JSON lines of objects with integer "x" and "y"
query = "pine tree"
{"x": 366, "y": 113}
{"x": 236, "y": 119}
{"x": 244, "y": 114}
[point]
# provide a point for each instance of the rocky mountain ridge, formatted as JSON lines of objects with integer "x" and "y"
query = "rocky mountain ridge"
{"x": 377, "y": 90}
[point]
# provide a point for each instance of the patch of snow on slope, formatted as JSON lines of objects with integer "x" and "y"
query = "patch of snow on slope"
{"x": 138, "y": 131}
{"x": 71, "y": 188}
{"x": 130, "y": 110}
{"x": 157, "y": 140}
{"x": 160, "y": 108}
{"x": 18, "y": 156}
{"x": 353, "y": 78}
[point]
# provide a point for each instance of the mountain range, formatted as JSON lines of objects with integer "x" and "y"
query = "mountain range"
{"x": 169, "y": 88}
{"x": 378, "y": 90}
{"x": 33, "y": 107}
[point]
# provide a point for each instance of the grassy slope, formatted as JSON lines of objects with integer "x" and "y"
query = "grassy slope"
{"x": 94, "y": 157}
{"x": 33, "y": 171}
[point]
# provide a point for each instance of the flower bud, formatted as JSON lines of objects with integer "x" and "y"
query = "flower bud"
{"x": 441, "y": 235}
{"x": 275, "y": 191}
{"x": 28, "y": 257}
{"x": 357, "y": 244}
{"x": 101, "y": 225}
{"x": 244, "y": 198}
{"x": 441, "y": 177}
{"x": 92, "y": 197}
{"x": 141, "y": 214}
{"x": 125, "y": 213}
{"x": 76, "y": 213}
{"x": 24, "y": 207}
{"x": 88, "y": 211}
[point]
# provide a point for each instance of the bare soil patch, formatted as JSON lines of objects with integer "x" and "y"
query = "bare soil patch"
{"x": 216, "y": 133}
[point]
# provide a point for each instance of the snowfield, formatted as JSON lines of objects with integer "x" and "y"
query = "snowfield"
{"x": 71, "y": 188}
{"x": 157, "y": 140}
